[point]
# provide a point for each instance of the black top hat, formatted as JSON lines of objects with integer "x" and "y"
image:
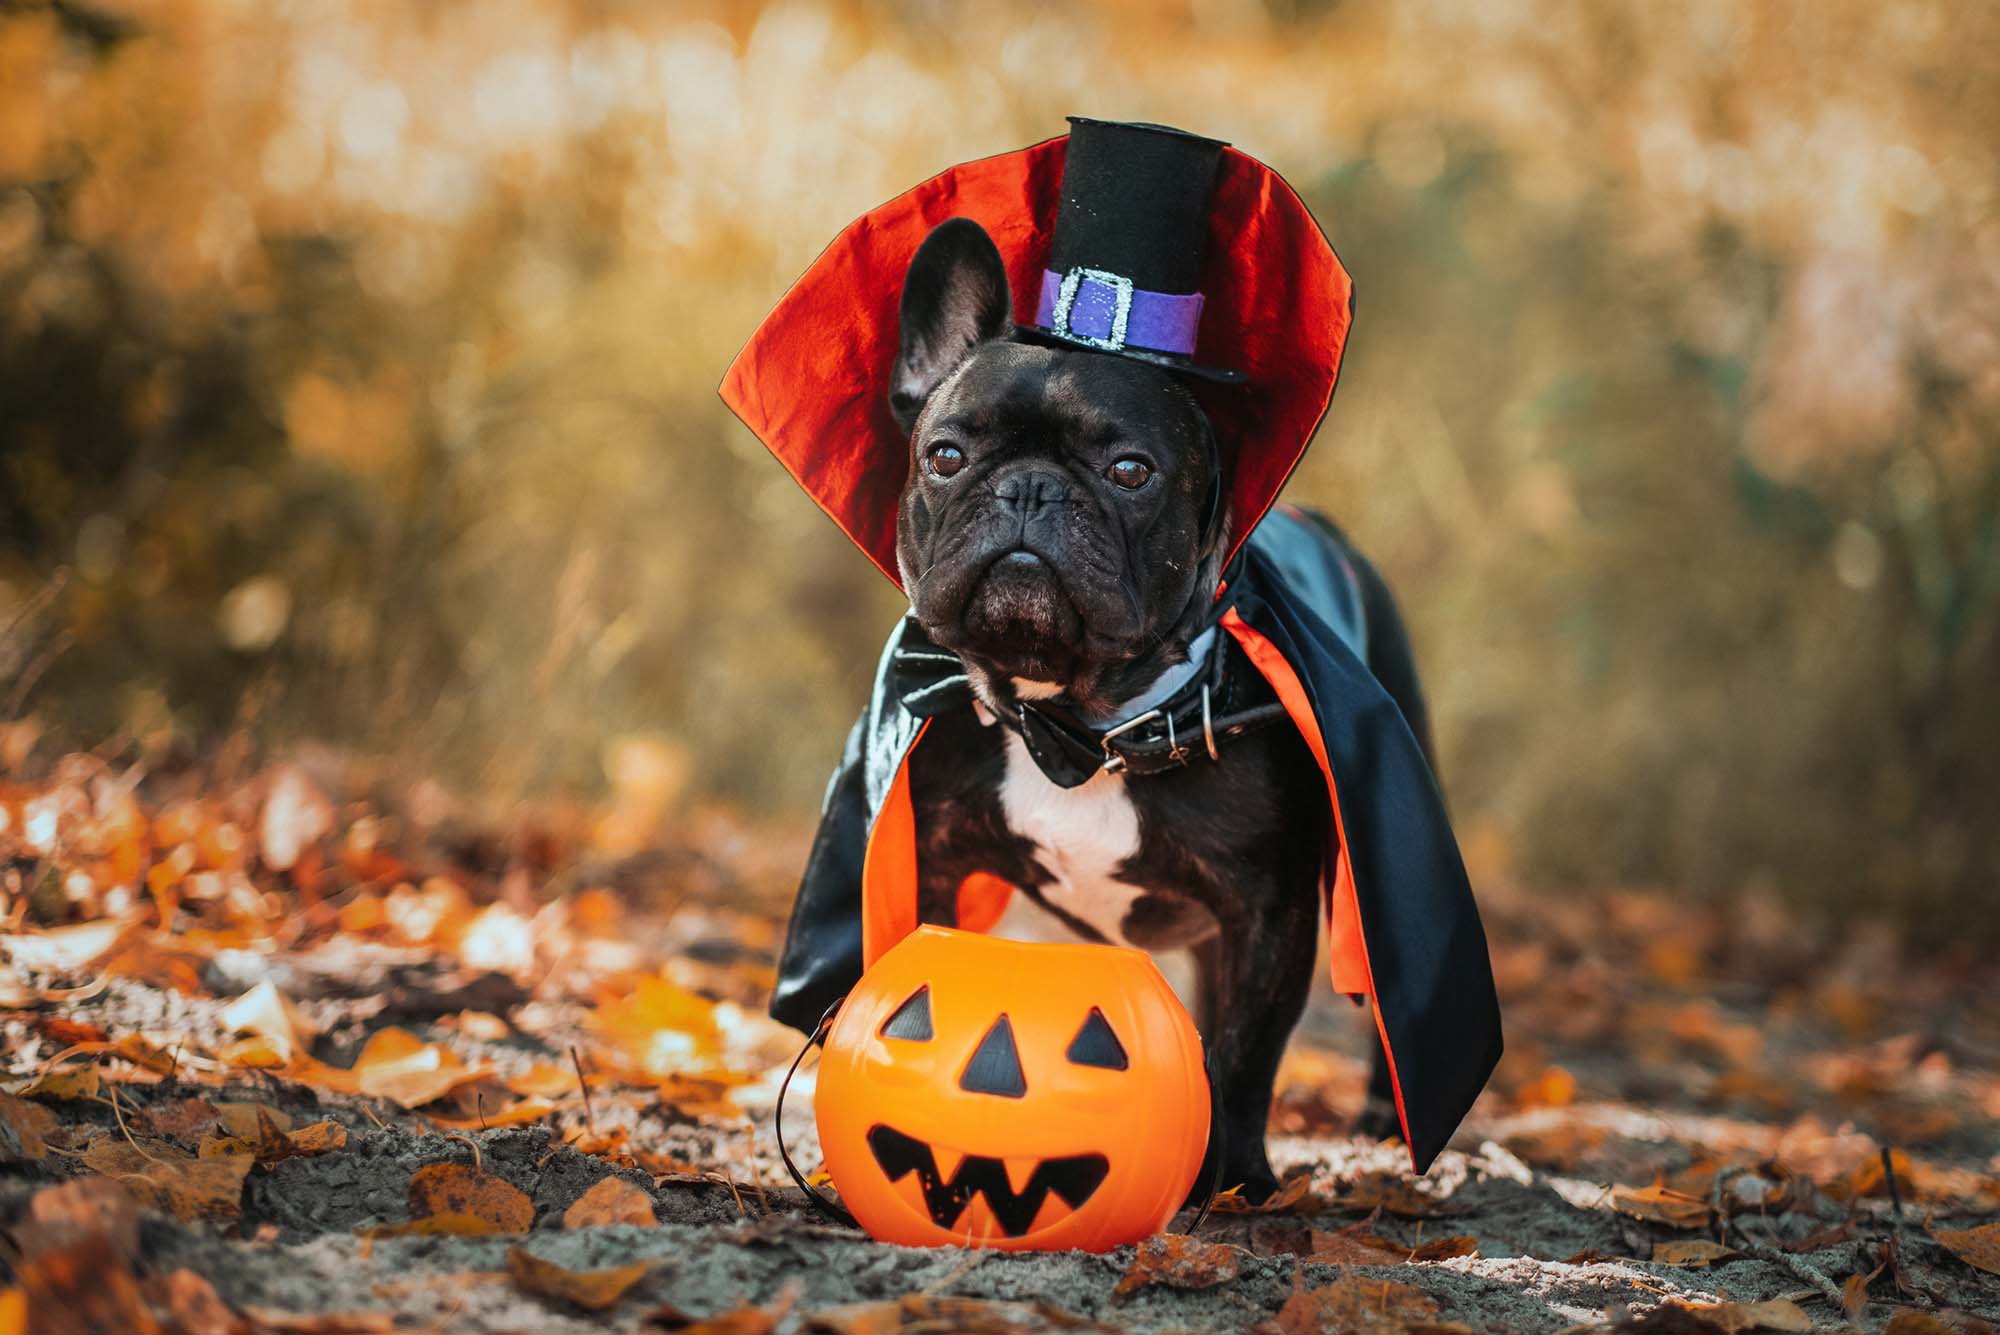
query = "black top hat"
{"x": 1124, "y": 273}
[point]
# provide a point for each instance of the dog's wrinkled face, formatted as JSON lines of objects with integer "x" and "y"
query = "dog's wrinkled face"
{"x": 1055, "y": 529}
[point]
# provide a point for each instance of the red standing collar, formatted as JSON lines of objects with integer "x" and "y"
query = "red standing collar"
{"x": 813, "y": 381}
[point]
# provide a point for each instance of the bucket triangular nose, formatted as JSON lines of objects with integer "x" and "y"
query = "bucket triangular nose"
{"x": 995, "y": 1067}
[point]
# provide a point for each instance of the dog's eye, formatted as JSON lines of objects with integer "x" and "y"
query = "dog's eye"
{"x": 1130, "y": 473}
{"x": 945, "y": 459}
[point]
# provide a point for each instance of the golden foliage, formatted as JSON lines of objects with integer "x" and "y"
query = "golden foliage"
{"x": 1670, "y": 415}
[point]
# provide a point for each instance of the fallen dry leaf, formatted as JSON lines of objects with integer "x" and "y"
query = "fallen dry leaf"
{"x": 318, "y": 1138}
{"x": 265, "y": 1140}
{"x": 1919, "y": 1323}
{"x": 16, "y": 994}
{"x": 1179, "y": 1262}
{"x": 1977, "y": 1247}
{"x": 487, "y": 1117}
{"x": 64, "y": 1084}
{"x": 271, "y": 1143}
{"x": 1854, "y": 1294}
{"x": 1662, "y": 1205}
{"x": 63, "y": 1031}
{"x": 704, "y": 1095}
{"x": 501, "y": 940}
{"x": 914, "y": 1312}
{"x": 24, "y": 1130}
{"x": 62, "y": 949}
{"x": 737, "y": 1321}
{"x": 259, "y": 1052}
{"x": 458, "y": 1189}
{"x": 592, "y": 1290}
{"x": 611, "y": 1201}
{"x": 1290, "y": 1195}
{"x": 247, "y": 1119}
{"x": 1775, "y": 1314}
{"x": 1387, "y": 1193}
{"x": 136, "y": 1049}
{"x": 543, "y": 1080}
{"x": 271, "y": 1321}
{"x": 397, "y": 1065}
{"x": 83, "y": 1208}
{"x": 1692, "y": 1253}
{"x": 1553, "y": 1088}
{"x": 265, "y": 1012}
{"x": 158, "y": 959}
{"x": 659, "y": 1027}
{"x": 1353, "y": 1305}
{"x": 194, "y": 1305}
{"x": 1351, "y": 1247}
{"x": 666, "y": 1165}
{"x": 1671, "y": 1318}
{"x": 295, "y": 815}
{"x": 603, "y": 1143}
{"x": 483, "y": 1025}
{"x": 83, "y": 1289}
{"x": 169, "y": 1179}
{"x": 1446, "y": 1248}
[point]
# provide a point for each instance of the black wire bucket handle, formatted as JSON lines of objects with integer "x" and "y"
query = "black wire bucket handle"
{"x": 839, "y": 1215}
{"x": 824, "y": 1204}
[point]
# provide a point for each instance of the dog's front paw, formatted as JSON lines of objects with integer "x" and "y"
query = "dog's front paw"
{"x": 1254, "y": 1181}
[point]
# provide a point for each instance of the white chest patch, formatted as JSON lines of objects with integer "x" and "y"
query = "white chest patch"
{"x": 1081, "y": 836}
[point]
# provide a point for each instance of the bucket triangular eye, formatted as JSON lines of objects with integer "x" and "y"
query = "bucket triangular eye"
{"x": 995, "y": 1067}
{"x": 912, "y": 1019}
{"x": 1096, "y": 1045}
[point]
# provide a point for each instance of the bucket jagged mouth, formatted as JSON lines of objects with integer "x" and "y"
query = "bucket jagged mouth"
{"x": 1073, "y": 1178}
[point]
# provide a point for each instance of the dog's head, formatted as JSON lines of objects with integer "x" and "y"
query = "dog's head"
{"x": 1058, "y": 529}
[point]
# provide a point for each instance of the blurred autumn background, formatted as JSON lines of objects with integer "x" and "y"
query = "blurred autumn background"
{"x": 357, "y": 371}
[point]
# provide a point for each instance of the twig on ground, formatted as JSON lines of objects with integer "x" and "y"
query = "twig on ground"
{"x": 478, "y": 1163}
{"x": 1822, "y": 1284}
{"x": 957, "y": 1272}
{"x": 1721, "y": 1185}
{"x": 729, "y": 1182}
{"x": 589, "y": 1118}
{"x": 83, "y": 992}
{"x": 1895, "y": 1195}
{"x": 119, "y": 1115}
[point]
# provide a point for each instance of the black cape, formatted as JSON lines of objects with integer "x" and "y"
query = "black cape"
{"x": 1290, "y": 603}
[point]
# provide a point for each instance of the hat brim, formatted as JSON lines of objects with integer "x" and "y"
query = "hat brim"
{"x": 813, "y": 380}
{"x": 1215, "y": 375}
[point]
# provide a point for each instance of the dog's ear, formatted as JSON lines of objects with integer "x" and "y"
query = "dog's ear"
{"x": 954, "y": 298}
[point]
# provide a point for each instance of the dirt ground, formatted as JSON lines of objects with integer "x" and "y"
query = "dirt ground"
{"x": 223, "y": 1106}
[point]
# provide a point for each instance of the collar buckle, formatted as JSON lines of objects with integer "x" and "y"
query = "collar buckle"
{"x": 1113, "y": 760}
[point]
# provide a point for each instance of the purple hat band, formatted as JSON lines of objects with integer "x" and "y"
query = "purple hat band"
{"x": 1105, "y": 311}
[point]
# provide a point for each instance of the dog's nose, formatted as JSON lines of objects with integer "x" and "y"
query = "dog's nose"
{"x": 1027, "y": 492}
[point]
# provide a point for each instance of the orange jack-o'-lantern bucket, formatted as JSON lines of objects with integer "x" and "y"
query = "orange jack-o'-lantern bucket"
{"x": 996, "y": 1093}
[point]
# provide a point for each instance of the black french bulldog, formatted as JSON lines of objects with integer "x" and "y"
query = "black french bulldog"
{"x": 1057, "y": 533}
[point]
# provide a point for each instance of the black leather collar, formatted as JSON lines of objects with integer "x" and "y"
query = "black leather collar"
{"x": 1228, "y": 699}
